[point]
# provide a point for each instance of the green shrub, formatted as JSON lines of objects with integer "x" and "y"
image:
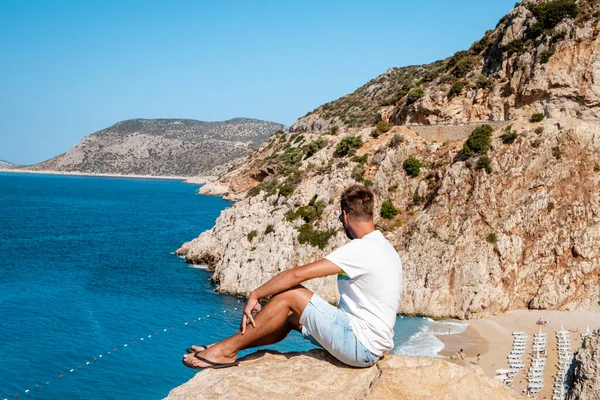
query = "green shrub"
{"x": 358, "y": 174}
{"x": 388, "y": 211}
{"x": 539, "y": 130}
{"x": 348, "y": 145}
{"x": 596, "y": 168}
{"x": 251, "y": 235}
{"x": 491, "y": 238}
{"x": 412, "y": 166}
{"x": 509, "y": 137}
{"x": 479, "y": 141}
{"x": 462, "y": 63}
{"x": 342, "y": 164}
{"x": 279, "y": 132}
{"x": 456, "y": 89}
{"x": 367, "y": 183}
{"x": 334, "y": 129}
{"x": 545, "y": 55}
{"x": 516, "y": 46}
{"x": 483, "y": 82}
{"x": 254, "y": 191}
{"x": 417, "y": 199}
{"x": 309, "y": 212}
{"x": 269, "y": 229}
{"x": 484, "y": 163}
{"x": 557, "y": 153}
{"x": 268, "y": 186}
{"x": 360, "y": 160}
{"x": 414, "y": 95}
{"x": 550, "y": 207}
{"x": 285, "y": 190}
{"x": 549, "y": 14}
{"x": 292, "y": 156}
{"x": 306, "y": 234}
{"x": 315, "y": 146}
{"x": 395, "y": 141}
{"x": 383, "y": 126}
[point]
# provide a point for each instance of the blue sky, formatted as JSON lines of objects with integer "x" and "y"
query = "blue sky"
{"x": 70, "y": 68}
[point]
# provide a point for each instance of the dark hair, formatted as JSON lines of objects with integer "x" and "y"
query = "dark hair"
{"x": 358, "y": 201}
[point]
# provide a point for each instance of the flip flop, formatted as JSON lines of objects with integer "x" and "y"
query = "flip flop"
{"x": 191, "y": 350}
{"x": 211, "y": 364}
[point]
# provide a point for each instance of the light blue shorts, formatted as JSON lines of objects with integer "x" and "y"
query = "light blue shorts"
{"x": 328, "y": 327}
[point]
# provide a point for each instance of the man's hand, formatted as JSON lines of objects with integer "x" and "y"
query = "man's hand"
{"x": 253, "y": 306}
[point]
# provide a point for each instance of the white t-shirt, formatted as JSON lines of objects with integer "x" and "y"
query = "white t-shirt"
{"x": 370, "y": 288}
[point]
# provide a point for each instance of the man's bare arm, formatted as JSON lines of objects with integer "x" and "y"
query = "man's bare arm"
{"x": 284, "y": 281}
{"x": 295, "y": 276}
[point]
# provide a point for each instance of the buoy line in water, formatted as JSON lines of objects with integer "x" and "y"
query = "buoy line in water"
{"x": 103, "y": 356}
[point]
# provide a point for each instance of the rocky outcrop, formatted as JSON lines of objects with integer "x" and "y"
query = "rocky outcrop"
{"x": 542, "y": 56}
{"x": 316, "y": 375}
{"x": 584, "y": 374}
{"x": 472, "y": 242}
{"x": 5, "y": 164}
{"x": 163, "y": 147}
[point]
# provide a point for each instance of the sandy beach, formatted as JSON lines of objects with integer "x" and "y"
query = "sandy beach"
{"x": 492, "y": 339}
{"x": 197, "y": 180}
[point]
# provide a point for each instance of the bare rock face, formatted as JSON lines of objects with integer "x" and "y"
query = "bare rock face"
{"x": 472, "y": 243}
{"x": 584, "y": 375}
{"x": 316, "y": 375}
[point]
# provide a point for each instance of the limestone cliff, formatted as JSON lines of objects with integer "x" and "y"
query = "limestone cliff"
{"x": 486, "y": 219}
{"x": 163, "y": 147}
{"x": 584, "y": 375}
{"x": 315, "y": 375}
{"x": 542, "y": 56}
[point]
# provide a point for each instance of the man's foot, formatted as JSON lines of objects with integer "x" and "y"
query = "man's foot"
{"x": 197, "y": 349}
{"x": 209, "y": 358}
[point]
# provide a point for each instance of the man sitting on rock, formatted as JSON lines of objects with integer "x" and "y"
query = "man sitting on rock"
{"x": 357, "y": 333}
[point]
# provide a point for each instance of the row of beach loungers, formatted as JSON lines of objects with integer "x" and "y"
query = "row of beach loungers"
{"x": 535, "y": 376}
{"x": 515, "y": 360}
{"x": 565, "y": 356}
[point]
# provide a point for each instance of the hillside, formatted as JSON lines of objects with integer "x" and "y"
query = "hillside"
{"x": 541, "y": 56}
{"x": 163, "y": 147}
{"x": 485, "y": 218}
{"x": 5, "y": 164}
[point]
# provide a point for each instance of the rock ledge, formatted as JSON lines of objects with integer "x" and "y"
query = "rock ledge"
{"x": 316, "y": 375}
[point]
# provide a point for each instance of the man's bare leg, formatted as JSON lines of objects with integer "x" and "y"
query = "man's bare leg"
{"x": 273, "y": 323}
{"x": 292, "y": 323}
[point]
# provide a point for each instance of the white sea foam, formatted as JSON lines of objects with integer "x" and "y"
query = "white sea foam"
{"x": 198, "y": 266}
{"x": 425, "y": 342}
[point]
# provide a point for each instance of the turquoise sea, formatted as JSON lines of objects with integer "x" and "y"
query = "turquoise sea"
{"x": 89, "y": 283}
